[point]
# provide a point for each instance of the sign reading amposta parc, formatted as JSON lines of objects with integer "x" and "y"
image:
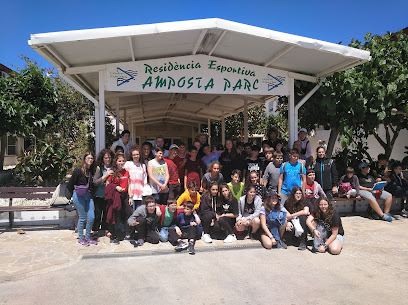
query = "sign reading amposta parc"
{"x": 196, "y": 74}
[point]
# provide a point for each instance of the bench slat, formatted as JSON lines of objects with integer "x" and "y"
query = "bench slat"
{"x": 27, "y": 189}
{"x": 28, "y": 208}
{"x": 27, "y": 195}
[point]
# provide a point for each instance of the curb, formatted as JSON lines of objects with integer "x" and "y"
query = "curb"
{"x": 166, "y": 252}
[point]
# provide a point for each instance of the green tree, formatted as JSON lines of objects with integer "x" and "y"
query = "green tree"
{"x": 355, "y": 102}
{"x": 27, "y": 101}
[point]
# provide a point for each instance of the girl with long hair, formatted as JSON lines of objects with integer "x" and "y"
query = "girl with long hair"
{"x": 229, "y": 160}
{"x": 227, "y": 212}
{"x": 273, "y": 220}
{"x": 326, "y": 227}
{"x": 137, "y": 177}
{"x": 80, "y": 185}
{"x": 297, "y": 214}
{"x": 249, "y": 206}
{"x": 120, "y": 178}
{"x": 253, "y": 180}
{"x": 102, "y": 172}
{"x": 213, "y": 174}
{"x": 208, "y": 210}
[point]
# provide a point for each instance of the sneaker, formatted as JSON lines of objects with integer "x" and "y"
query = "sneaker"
{"x": 302, "y": 245}
{"x": 181, "y": 246}
{"x": 190, "y": 248}
{"x": 140, "y": 242}
{"x": 83, "y": 242}
{"x": 314, "y": 250}
{"x": 230, "y": 238}
{"x": 386, "y": 217}
{"x": 92, "y": 241}
{"x": 404, "y": 213}
{"x": 283, "y": 245}
{"x": 114, "y": 241}
{"x": 206, "y": 238}
{"x": 128, "y": 238}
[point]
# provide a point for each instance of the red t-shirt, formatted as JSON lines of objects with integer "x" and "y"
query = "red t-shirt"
{"x": 309, "y": 191}
{"x": 173, "y": 171}
{"x": 193, "y": 170}
{"x": 179, "y": 161}
{"x": 123, "y": 179}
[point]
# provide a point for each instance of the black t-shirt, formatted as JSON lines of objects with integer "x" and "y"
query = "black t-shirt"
{"x": 335, "y": 223}
{"x": 366, "y": 181}
{"x": 249, "y": 207}
{"x": 228, "y": 207}
{"x": 253, "y": 165}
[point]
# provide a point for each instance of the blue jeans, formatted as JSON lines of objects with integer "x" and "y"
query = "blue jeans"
{"x": 161, "y": 198}
{"x": 85, "y": 208}
{"x": 136, "y": 204}
{"x": 164, "y": 234}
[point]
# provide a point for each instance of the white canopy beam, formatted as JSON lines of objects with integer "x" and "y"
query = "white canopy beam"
{"x": 199, "y": 41}
{"x": 132, "y": 51}
{"x": 217, "y": 42}
{"x": 102, "y": 140}
{"x": 279, "y": 54}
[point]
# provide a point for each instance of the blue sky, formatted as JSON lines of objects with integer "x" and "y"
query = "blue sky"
{"x": 332, "y": 21}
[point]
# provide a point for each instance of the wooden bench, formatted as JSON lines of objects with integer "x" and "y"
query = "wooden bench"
{"x": 27, "y": 193}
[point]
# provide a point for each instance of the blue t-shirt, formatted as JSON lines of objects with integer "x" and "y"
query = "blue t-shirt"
{"x": 211, "y": 158}
{"x": 292, "y": 176}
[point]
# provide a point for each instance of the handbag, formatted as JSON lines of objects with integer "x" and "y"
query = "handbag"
{"x": 82, "y": 190}
{"x": 298, "y": 228}
{"x": 61, "y": 195}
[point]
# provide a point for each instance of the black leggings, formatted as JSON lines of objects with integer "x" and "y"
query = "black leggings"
{"x": 225, "y": 223}
{"x": 206, "y": 220}
{"x": 144, "y": 231}
{"x": 302, "y": 220}
{"x": 100, "y": 214}
{"x": 122, "y": 216}
{"x": 190, "y": 233}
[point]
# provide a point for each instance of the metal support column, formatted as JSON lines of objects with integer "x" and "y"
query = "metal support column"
{"x": 117, "y": 116}
{"x": 223, "y": 129}
{"x": 209, "y": 132}
{"x": 102, "y": 141}
{"x": 245, "y": 121}
{"x": 291, "y": 112}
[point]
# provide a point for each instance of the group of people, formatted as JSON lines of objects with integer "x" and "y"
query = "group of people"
{"x": 155, "y": 195}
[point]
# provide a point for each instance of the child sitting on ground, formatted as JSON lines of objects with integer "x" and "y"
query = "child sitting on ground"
{"x": 187, "y": 226}
{"x": 190, "y": 194}
{"x": 349, "y": 185}
{"x": 168, "y": 218}
{"x": 145, "y": 218}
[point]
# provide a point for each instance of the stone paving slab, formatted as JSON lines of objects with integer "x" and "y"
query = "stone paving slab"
{"x": 42, "y": 250}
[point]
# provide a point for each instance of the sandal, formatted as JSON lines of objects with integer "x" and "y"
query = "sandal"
{"x": 108, "y": 234}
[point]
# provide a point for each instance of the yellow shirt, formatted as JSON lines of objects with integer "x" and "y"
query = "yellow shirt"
{"x": 186, "y": 197}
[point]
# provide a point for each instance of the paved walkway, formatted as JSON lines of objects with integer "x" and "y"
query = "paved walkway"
{"x": 41, "y": 250}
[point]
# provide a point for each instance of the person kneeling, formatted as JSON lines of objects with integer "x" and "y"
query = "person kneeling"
{"x": 187, "y": 226}
{"x": 249, "y": 207}
{"x": 325, "y": 225}
{"x": 145, "y": 218}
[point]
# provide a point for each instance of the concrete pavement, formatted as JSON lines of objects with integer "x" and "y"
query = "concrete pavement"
{"x": 43, "y": 266}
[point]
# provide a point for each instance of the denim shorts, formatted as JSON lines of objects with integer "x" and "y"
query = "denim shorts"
{"x": 340, "y": 238}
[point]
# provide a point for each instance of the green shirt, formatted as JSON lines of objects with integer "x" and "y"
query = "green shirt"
{"x": 236, "y": 190}
{"x": 168, "y": 218}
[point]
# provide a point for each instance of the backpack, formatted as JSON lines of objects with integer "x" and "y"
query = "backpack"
{"x": 301, "y": 167}
{"x": 345, "y": 187}
{"x": 304, "y": 150}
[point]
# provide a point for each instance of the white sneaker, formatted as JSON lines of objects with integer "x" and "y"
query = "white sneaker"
{"x": 230, "y": 238}
{"x": 206, "y": 238}
{"x": 404, "y": 213}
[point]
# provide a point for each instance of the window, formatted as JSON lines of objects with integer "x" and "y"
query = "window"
{"x": 3, "y": 74}
{"x": 11, "y": 147}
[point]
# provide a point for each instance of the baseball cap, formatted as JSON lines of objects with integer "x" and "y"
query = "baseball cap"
{"x": 363, "y": 165}
{"x": 173, "y": 146}
{"x": 303, "y": 129}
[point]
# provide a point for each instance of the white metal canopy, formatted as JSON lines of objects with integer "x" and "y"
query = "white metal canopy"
{"x": 84, "y": 56}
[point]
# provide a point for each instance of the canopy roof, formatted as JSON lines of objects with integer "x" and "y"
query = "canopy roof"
{"x": 81, "y": 54}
